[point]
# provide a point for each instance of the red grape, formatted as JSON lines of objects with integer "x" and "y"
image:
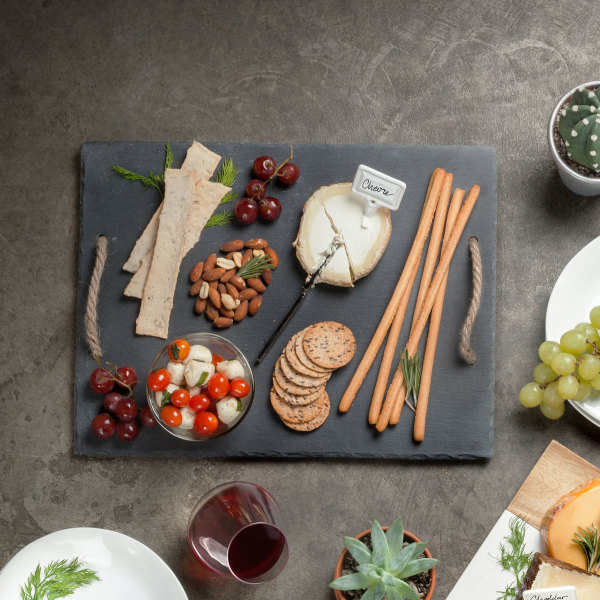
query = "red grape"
{"x": 103, "y": 425}
{"x": 101, "y": 381}
{"x": 246, "y": 211}
{"x": 127, "y": 431}
{"x": 127, "y": 409}
{"x": 264, "y": 167}
{"x": 146, "y": 417}
{"x": 270, "y": 209}
{"x": 111, "y": 400}
{"x": 127, "y": 375}
{"x": 289, "y": 173}
{"x": 256, "y": 189}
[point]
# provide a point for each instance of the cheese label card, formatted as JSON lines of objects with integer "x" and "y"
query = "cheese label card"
{"x": 378, "y": 189}
{"x": 558, "y": 593}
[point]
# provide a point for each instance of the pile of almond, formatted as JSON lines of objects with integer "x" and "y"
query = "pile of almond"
{"x": 221, "y": 294}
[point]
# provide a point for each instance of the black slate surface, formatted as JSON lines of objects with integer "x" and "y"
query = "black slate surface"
{"x": 461, "y": 407}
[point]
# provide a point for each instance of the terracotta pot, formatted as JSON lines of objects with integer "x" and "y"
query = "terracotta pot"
{"x": 576, "y": 182}
{"x": 339, "y": 595}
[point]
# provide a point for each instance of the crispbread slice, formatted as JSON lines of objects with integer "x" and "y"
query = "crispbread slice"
{"x": 313, "y": 423}
{"x": 290, "y": 353}
{"x": 296, "y": 400}
{"x": 144, "y": 244}
{"x": 298, "y": 413}
{"x": 287, "y": 385}
{"x": 299, "y": 348}
{"x": 329, "y": 344}
{"x": 300, "y": 379}
{"x": 200, "y": 159}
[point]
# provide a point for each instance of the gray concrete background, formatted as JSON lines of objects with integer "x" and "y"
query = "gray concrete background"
{"x": 429, "y": 72}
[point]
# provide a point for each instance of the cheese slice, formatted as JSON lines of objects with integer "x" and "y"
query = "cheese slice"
{"x": 335, "y": 211}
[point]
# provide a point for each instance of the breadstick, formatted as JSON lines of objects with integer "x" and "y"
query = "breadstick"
{"x": 434, "y": 329}
{"x": 392, "y": 307}
{"x": 415, "y": 335}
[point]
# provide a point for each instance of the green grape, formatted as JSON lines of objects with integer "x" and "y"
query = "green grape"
{"x": 585, "y": 389}
{"x": 573, "y": 342}
{"x": 595, "y": 317}
{"x": 543, "y": 374}
{"x": 551, "y": 395}
{"x": 552, "y": 412}
{"x": 563, "y": 363}
{"x": 531, "y": 395}
{"x": 589, "y": 366}
{"x": 547, "y": 351}
{"x": 568, "y": 386}
{"x": 591, "y": 334}
{"x": 595, "y": 383}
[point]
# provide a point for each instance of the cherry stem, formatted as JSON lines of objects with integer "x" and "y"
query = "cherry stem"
{"x": 278, "y": 169}
{"x": 112, "y": 371}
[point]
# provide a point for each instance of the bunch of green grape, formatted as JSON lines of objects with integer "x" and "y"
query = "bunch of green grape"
{"x": 569, "y": 370}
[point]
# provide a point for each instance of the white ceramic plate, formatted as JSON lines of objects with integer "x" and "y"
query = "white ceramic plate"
{"x": 575, "y": 293}
{"x": 126, "y": 567}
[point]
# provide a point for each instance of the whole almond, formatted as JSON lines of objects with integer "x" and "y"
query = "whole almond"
{"x": 267, "y": 276}
{"x": 211, "y": 312}
{"x": 246, "y": 256}
{"x": 248, "y": 294}
{"x": 257, "y": 244}
{"x": 257, "y": 253}
{"x": 213, "y": 284}
{"x": 227, "y": 275}
{"x": 212, "y": 274}
{"x": 273, "y": 255}
{"x": 225, "y": 263}
{"x": 236, "y": 257}
{"x": 254, "y": 305}
{"x": 227, "y": 301}
{"x": 222, "y": 322}
{"x": 229, "y": 255}
{"x": 241, "y": 311}
{"x": 226, "y": 312}
{"x": 196, "y": 272}
{"x": 195, "y": 289}
{"x": 256, "y": 284}
{"x": 232, "y": 246}
{"x": 238, "y": 282}
{"x": 232, "y": 291}
{"x": 215, "y": 298}
{"x": 203, "y": 294}
{"x": 222, "y": 289}
{"x": 200, "y": 306}
{"x": 210, "y": 262}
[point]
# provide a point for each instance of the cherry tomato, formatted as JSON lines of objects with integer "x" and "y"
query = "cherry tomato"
{"x": 199, "y": 402}
{"x": 180, "y": 397}
{"x": 159, "y": 380}
{"x": 205, "y": 423}
{"x": 239, "y": 388}
{"x": 218, "y": 386}
{"x": 171, "y": 415}
{"x": 178, "y": 350}
{"x": 216, "y": 359}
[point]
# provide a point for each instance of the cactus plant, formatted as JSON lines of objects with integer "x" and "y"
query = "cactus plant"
{"x": 579, "y": 127}
{"x": 382, "y": 571}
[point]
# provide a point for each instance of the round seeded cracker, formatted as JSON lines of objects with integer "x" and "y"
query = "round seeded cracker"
{"x": 296, "y": 363}
{"x": 300, "y": 379}
{"x": 329, "y": 344}
{"x": 313, "y": 423}
{"x": 299, "y": 348}
{"x": 287, "y": 385}
{"x": 293, "y": 399}
{"x": 297, "y": 414}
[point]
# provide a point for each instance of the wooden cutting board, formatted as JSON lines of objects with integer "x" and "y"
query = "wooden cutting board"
{"x": 557, "y": 472}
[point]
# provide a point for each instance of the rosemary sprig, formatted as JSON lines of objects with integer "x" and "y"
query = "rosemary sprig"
{"x": 255, "y": 266}
{"x": 513, "y": 558}
{"x": 411, "y": 369}
{"x": 589, "y": 541}
{"x": 60, "y": 578}
{"x": 152, "y": 179}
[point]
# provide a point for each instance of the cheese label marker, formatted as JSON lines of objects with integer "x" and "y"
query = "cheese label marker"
{"x": 558, "y": 593}
{"x": 377, "y": 189}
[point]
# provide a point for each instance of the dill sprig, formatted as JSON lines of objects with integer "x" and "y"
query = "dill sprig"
{"x": 226, "y": 175}
{"x": 223, "y": 218}
{"x": 152, "y": 179}
{"x": 60, "y": 578}
{"x": 411, "y": 369}
{"x": 589, "y": 541}
{"x": 513, "y": 558}
{"x": 255, "y": 266}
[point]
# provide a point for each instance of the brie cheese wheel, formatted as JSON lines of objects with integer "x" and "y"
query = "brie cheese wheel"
{"x": 334, "y": 212}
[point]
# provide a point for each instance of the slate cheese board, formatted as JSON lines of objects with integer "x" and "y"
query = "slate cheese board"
{"x": 461, "y": 407}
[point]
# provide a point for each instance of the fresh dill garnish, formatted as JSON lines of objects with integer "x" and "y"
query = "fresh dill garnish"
{"x": 255, "y": 266}
{"x": 226, "y": 175}
{"x": 60, "y": 578}
{"x": 411, "y": 369}
{"x": 152, "y": 179}
{"x": 513, "y": 558}
{"x": 223, "y": 218}
{"x": 589, "y": 541}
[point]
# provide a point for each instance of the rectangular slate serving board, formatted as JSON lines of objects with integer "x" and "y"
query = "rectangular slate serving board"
{"x": 461, "y": 407}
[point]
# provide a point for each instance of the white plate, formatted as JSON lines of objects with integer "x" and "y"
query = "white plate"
{"x": 575, "y": 293}
{"x": 126, "y": 567}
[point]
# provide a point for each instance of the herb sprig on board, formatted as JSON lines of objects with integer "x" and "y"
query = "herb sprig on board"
{"x": 59, "y": 578}
{"x": 411, "y": 369}
{"x": 255, "y": 266}
{"x": 588, "y": 540}
{"x": 514, "y": 558}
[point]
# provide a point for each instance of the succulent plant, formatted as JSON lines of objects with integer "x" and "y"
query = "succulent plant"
{"x": 382, "y": 571}
{"x": 579, "y": 127}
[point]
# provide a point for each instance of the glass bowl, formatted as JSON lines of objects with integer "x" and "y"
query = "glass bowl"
{"x": 217, "y": 345}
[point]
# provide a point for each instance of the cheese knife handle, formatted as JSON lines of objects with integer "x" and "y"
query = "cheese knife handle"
{"x": 281, "y": 326}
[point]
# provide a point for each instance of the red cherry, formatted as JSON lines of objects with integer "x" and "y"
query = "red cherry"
{"x": 256, "y": 189}
{"x": 270, "y": 209}
{"x": 101, "y": 381}
{"x": 103, "y": 425}
{"x": 264, "y": 167}
{"x": 246, "y": 211}
{"x": 127, "y": 409}
{"x": 127, "y": 375}
{"x": 111, "y": 400}
{"x": 289, "y": 173}
{"x": 127, "y": 430}
{"x": 146, "y": 417}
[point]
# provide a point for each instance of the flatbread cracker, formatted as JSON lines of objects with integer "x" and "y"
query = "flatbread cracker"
{"x": 300, "y": 379}
{"x": 299, "y": 348}
{"x": 290, "y": 353}
{"x": 329, "y": 344}
{"x": 300, "y": 413}
{"x": 296, "y": 400}
{"x": 287, "y": 385}
{"x": 313, "y": 423}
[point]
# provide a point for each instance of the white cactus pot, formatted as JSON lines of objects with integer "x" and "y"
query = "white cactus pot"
{"x": 576, "y": 182}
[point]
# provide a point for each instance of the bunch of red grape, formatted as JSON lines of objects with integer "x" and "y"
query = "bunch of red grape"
{"x": 119, "y": 406}
{"x": 255, "y": 201}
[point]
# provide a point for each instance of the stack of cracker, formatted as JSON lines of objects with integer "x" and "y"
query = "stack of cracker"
{"x": 298, "y": 394}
